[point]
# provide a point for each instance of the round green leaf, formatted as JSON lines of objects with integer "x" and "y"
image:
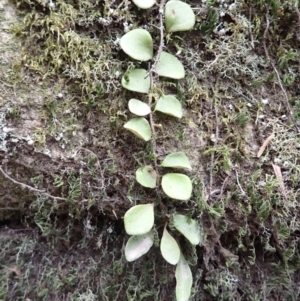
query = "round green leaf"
{"x": 140, "y": 127}
{"x": 169, "y": 248}
{"x": 144, "y": 4}
{"x": 177, "y": 186}
{"x": 138, "y": 44}
{"x": 187, "y": 227}
{"x": 146, "y": 176}
{"x": 139, "y": 219}
{"x": 177, "y": 160}
{"x": 184, "y": 280}
{"x": 138, "y": 245}
{"x": 169, "y": 66}
{"x": 169, "y": 105}
{"x": 134, "y": 80}
{"x": 179, "y": 16}
{"x": 138, "y": 107}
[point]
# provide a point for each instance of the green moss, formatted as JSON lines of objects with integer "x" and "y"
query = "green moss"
{"x": 71, "y": 57}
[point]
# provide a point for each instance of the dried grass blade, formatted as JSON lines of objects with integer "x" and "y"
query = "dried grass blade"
{"x": 278, "y": 174}
{"x": 264, "y": 145}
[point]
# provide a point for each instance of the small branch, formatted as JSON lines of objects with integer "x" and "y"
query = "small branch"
{"x": 97, "y": 165}
{"x": 298, "y": 15}
{"x": 151, "y": 74}
{"x": 25, "y": 186}
{"x": 238, "y": 182}
{"x": 250, "y": 29}
{"x": 162, "y": 43}
{"x": 222, "y": 188}
{"x": 212, "y": 157}
{"x": 152, "y": 125}
{"x": 241, "y": 94}
{"x": 265, "y": 36}
{"x": 7, "y": 85}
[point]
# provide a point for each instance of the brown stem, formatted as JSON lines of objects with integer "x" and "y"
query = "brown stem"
{"x": 151, "y": 74}
{"x": 152, "y": 125}
{"x": 29, "y": 187}
{"x": 265, "y": 36}
{"x": 162, "y": 43}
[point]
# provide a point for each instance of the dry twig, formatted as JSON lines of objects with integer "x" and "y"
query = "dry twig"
{"x": 162, "y": 43}
{"x": 250, "y": 29}
{"x": 150, "y": 73}
{"x": 278, "y": 174}
{"x": 265, "y": 36}
{"x": 25, "y": 186}
{"x": 264, "y": 145}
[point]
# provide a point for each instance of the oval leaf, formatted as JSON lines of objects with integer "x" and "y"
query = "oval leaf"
{"x": 138, "y": 44}
{"x": 138, "y": 245}
{"x": 140, "y": 127}
{"x": 169, "y": 248}
{"x": 184, "y": 280}
{"x": 138, "y": 107}
{"x": 177, "y": 160}
{"x": 134, "y": 80}
{"x": 144, "y": 4}
{"x": 169, "y": 66}
{"x": 187, "y": 227}
{"x": 169, "y": 105}
{"x": 179, "y": 16}
{"x": 139, "y": 219}
{"x": 177, "y": 186}
{"x": 146, "y": 176}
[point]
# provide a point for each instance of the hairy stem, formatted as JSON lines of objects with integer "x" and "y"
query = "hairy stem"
{"x": 265, "y": 36}
{"x": 151, "y": 74}
{"x": 162, "y": 43}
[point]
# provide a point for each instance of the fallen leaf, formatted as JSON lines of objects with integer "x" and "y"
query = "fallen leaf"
{"x": 264, "y": 145}
{"x": 228, "y": 255}
{"x": 278, "y": 174}
{"x": 66, "y": 244}
{"x": 16, "y": 270}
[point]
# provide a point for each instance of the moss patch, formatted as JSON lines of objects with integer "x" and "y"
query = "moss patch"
{"x": 68, "y": 165}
